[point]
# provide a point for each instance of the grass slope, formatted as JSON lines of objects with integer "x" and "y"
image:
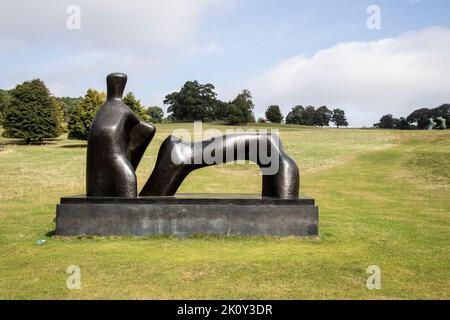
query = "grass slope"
{"x": 383, "y": 197}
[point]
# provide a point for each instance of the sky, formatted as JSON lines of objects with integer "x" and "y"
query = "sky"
{"x": 286, "y": 52}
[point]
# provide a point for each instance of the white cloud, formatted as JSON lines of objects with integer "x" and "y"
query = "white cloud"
{"x": 107, "y": 23}
{"x": 138, "y": 37}
{"x": 205, "y": 49}
{"x": 367, "y": 79}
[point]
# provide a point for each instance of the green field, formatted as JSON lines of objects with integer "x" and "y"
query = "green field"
{"x": 384, "y": 199}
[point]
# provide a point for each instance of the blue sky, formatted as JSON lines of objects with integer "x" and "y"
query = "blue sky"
{"x": 285, "y": 52}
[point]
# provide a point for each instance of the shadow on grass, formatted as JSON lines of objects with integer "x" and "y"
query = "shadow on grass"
{"x": 198, "y": 236}
{"x": 74, "y": 146}
{"x": 50, "y": 234}
{"x": 18, "y": 142}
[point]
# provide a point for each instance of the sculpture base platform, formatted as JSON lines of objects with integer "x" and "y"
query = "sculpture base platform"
{"x": 185, "y": 215}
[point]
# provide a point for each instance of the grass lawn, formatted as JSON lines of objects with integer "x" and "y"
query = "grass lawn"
{"x": 384, "y": 199}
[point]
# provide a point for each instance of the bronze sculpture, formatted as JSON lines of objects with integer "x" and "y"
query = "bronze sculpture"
{"x": 438, "y": 123}
{"x": 169, "y": 173}
{"x": 116, "y": 144}
{"x": 118, "y": 139}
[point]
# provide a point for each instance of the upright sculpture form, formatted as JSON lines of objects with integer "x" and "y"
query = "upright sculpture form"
{"x": 117, "y": 141}
{"x": 116, "y": 144}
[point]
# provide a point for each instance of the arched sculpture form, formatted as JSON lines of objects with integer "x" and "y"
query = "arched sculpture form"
{"x": 441, "y": 123}
{"x": 438, "y": 123}
{"x": 176, "y": 159}
{"x": 117, "y": 141}
{"x": 116, "y": 144}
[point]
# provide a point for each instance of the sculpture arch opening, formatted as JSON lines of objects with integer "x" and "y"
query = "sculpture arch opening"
{"x": 235, "y": 178}
{"x": 177, "y": 159}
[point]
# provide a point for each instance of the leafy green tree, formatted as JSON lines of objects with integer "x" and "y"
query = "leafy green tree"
{"x": 68, "y": 104}
{"x": 296, "y": 115}
{"x": 155, "y": 113}
{"x": 401, "y": 124}
{"x": 238, "y": 111}
{"x": 420, "y": 116}
{"x": 387, "y": 122}
{"x": 4, "y": 101}
{"x": 273, "y": 114}
{"x": 322, "y": 116}
{"x": 339, "y": 118}
{"x": 308, "y": 116}
{"x": 31, "y": 113}
{"x": 59, "y": 114}
{"x": 83, "y": 114}
{"x": 235, "y": 115}
{"x": 135, "y": 106}
{"x": 245, "y": 103}
{"x": 194, "y": 101}
{"x": 221, "y": 110}
{"x": 442, "y": 111}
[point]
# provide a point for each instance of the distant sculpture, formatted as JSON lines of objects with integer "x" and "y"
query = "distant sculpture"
{"x": 438, "y": 123}
{"x": 431, "y": 124}
{"x": 117, "y": 141}
{"x": 441, "y": 123}
{"x": 176, "y": 159}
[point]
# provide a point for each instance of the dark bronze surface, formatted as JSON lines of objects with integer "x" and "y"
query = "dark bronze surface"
{"x": 176, "y": 159}
{"x": 117, "y": 141}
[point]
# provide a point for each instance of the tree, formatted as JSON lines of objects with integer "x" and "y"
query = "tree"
{"x": 322, "y": 116}
{"x": 68, "y": 104}
{"x": 235, "y": 115}
{"x": 308, "y": 116}
{"x": 339, "y": 118}
{"x": 193, "y": 102}
{"x": 135, "y": 106}
{"x": 420, "y": 117}
{"x": 442, "y": 111}
{"x": 59, "y": 114}
{"x": 83, "y": 114}
{"x": 273, "y": 114}
{"x": 387, "y": 122}
{"x": 155, "y": 113}
{"x": 220, "y": 112}
{"x": 401, "y": 124}
{"x": 296, "y": 115}
{"x": 245, "y": 103}
{"x": 4, "y": 101}
{"x": 31, "y": 113}
{"x": 238, "y": 111}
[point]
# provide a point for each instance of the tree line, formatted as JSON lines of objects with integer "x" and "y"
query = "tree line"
{"x": 30, "y": 112}
{"x": 309, "y": 116}
{"x": 418, "y": 119}
{"x": 197, "y": 101}
{"x": 82, "y": 113}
